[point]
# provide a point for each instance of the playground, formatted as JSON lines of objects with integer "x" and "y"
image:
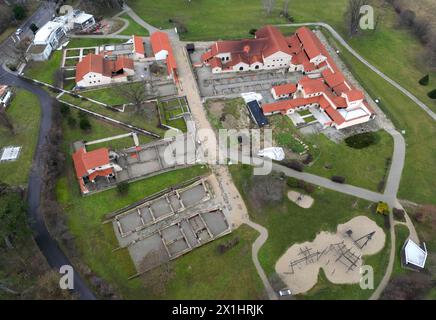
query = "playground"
{"x": 339, "y": 254}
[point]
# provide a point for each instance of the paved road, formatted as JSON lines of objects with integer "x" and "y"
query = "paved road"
{"x": 139, "y": 20}
{"x": 46, "y": 243}
{"x": 341, "y": 40}
{"x": 258, "y": 243}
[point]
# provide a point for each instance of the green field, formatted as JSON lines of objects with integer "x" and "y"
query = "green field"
{"x": 417, "y": 182}
{"x": 229, "y": 19}
{"x": 129, "y": 116}
{"x": 288, "y": 224}
{"x": 190, "y": 279}
{"x": 340, "y": 159}
{"x": 110, "y": 96}
{"x": 170, "y": 110}
{"x": 25, "y": 113}
{"x": 401, "y": 235}
{"x": 133, "y": 28}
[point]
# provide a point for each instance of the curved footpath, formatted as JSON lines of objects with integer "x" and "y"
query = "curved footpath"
{"x": 341, "y": 40}
{"x": 46, "y": 243}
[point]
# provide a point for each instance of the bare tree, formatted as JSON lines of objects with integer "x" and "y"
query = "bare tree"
{"x": 5, "y": 121}
{"x": 137, "y": 93}
{"x": 353, "y": 16}
{"x": 431, "y": 53}
{"x": 268, "y": 5}
{"x": 286, "y": 8}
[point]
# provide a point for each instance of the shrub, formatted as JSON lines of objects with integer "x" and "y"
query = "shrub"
{"x": 424, "y": 80}
{"x": 224, "y": 247}
{"x": 338, "y": 179}
{"x": 19, "y": 12}
{"x": 72, "y": 122}
{"x": 252, "y": 31}
{"x": 309, "y": 188}
{"x": 65, "y": 109}
{"x": 34, "y": 28}
{"x": 382, "y": 208}
{"x": 84, "y": 124}
{"x": 308, "y": 159}
{"x": 294, "y": 164}
{"x": 292, "y": 182}
{"x": 362, "y": 140}
{"x": 432, "y": 94}
{"x": 399, "y": 214}
{"x": 123, "y": 188}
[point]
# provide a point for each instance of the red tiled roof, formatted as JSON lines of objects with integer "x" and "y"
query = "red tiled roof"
{"x": 285, "y": 105}
{"x": 334, "y": 115}
{"x": 309, "y": 41}
{"x": 84, "y": 161}
{"x": 160, "y": 41}
{"x": 311, "y": 86}
{"x": 98, "y": 64}
{"x": 287, "y": 88}
{"x": 138, "y": 45}
{"x": 333, "y": 79}
{"x": 268, "y": 40}
{"x": 354, "y": 95}
{"x": 339, "y": 89}
{"x": 275, "y": 40}
{"x": 100, "y": 173}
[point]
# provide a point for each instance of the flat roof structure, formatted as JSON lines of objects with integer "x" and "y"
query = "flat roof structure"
{"x": 10, "y": 153}
{"x": 256, "y": 113}
{"x": 414, "y": 255}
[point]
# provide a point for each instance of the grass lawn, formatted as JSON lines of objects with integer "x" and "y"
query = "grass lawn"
{"x": 417, "y": 182}
{"x": 284, "y": 133}
{"x": 288, "y": 224}
{"x": 401, "y": 233}
{"x": 230, "y": 19}
{"x": 6, "y": 33}
{"x": 342, "y": 160}
{"x": 171, "y": 109}
{"x": 110, "y": 96}
{"x": 89, "y": 42}
{"x": 99, "y": 130}
{"x": 133, "y": 28}
{"x": 129, "y": 117}
{"x": 25, "y": 114}
{"x": 231, "y": 275}
{"x": 222, "y": 278}
{"x": 44, "y": 70}
{"x": 95, "y": 241}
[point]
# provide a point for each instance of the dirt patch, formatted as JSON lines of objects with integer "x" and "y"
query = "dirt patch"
{"x": 300, "y": 199}
{"x": 339, "y": 255}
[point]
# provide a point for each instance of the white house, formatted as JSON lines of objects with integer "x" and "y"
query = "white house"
{"x": 96, "y": 70}
{"x": 268, "y": 50}
{"x": 47, "y": 39}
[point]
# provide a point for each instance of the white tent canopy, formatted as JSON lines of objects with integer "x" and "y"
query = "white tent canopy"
{"x": 10, "y": 153}
{"x": 414, "y": 254}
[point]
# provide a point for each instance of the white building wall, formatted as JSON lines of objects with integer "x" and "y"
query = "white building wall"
{"x": 94, "y": 79}
{"x": 161, "y": 55}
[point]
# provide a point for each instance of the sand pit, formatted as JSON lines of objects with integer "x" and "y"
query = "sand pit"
{"x": 300, "y": 199}
{"x": 338, "y": 254}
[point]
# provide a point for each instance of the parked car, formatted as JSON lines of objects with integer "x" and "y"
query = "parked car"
{"x": 285, "y": 292}
{"x": 18, "y": 32}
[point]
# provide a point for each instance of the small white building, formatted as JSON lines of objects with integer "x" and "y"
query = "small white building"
{"x": 414, "y": 256}
{"x": 5, "y": 96}
{"x": 47, "y": 39}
